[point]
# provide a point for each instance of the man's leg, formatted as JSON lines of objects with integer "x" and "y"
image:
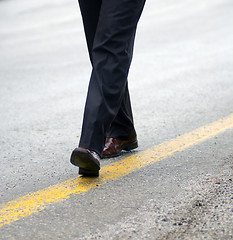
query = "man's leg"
{"x": 123, "y": 126}
{"x": 90, "y": 10}
{"x": 86, "y": 160}
{"x": 111, "y": 57}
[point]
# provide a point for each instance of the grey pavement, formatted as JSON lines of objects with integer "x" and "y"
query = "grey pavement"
{"x": 181, "y": 78}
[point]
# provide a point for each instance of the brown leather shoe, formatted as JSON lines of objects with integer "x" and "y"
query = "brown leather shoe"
{"x": 113, "y": 146}
{"x": 86, "y": 160}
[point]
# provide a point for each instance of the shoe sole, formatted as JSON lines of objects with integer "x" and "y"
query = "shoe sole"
{"x": 126, "y": 147}
{"x": 88, "y": 166}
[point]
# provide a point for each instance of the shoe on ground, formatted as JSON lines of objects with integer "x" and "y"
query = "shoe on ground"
{"x": 113, "y": 146}
{"x": 87, "y": 160}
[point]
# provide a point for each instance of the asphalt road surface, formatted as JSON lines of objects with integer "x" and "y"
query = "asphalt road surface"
{"x": 181, "y": 79}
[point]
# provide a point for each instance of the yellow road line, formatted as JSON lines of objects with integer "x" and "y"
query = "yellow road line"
{"x": 37, "y": 201}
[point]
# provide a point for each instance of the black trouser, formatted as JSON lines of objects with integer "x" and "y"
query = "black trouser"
{"x": 110, "y": 27}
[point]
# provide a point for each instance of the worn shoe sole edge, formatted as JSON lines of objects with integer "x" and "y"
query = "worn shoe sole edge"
{"x": 88, "y": 165}
{"x": 126, "y": 147}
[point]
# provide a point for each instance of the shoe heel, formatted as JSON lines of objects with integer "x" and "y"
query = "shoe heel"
{"x": 89, "y": 173}
{"x": 131, "y": 146}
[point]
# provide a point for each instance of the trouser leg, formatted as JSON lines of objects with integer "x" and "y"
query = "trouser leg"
{"x": 111, "y": 58}
{"x": 90, "y": 10}
{"x": 123, "y": 126}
